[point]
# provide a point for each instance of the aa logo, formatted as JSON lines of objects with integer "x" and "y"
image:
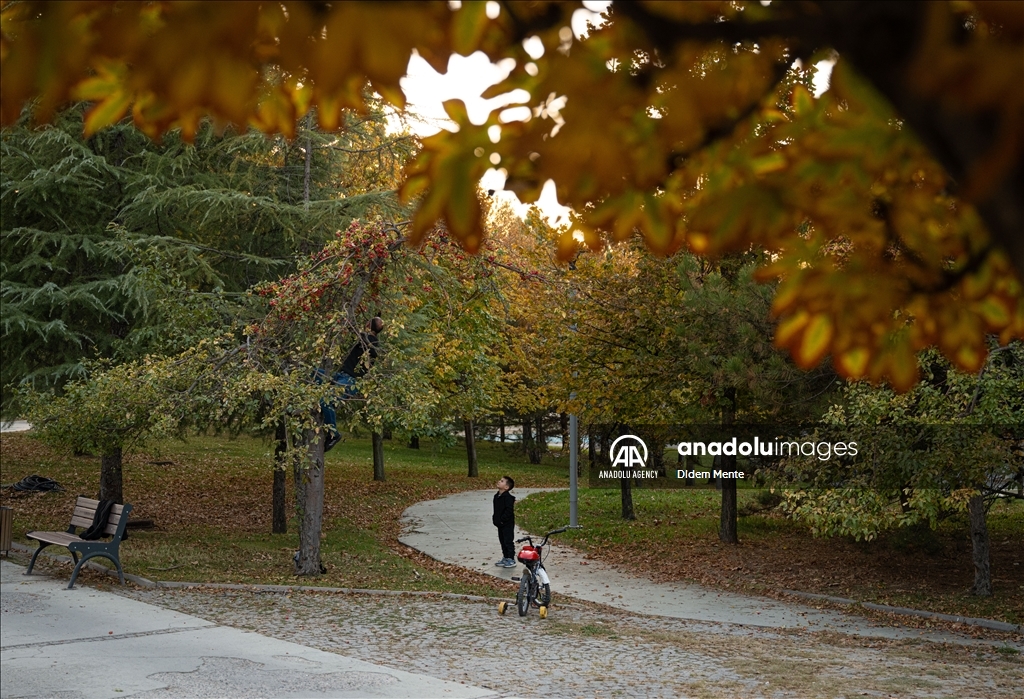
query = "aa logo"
{"x": 627, "y": 456}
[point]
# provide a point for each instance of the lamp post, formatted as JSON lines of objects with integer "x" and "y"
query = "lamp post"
{"x": 574, "y": 461}
{"x": 574, "y": 450}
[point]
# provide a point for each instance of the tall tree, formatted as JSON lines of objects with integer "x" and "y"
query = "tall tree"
{"x": 108, "y": 240}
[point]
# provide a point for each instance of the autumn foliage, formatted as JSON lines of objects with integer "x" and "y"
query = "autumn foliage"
{"x": 889, "y": 205}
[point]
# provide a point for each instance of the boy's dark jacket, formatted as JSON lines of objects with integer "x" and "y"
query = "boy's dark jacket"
{"x": 504, "y": 509}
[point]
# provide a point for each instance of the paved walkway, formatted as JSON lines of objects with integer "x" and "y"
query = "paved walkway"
{"x": 87, "y": 643}
{"x": 457, "y": 530}
{"x": 105, "y": 640}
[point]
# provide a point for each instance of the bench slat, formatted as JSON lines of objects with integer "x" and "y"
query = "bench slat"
{"x": 89, "y": 510}
{"x": 61, "y": 538}
{"x": 85, "y": 511}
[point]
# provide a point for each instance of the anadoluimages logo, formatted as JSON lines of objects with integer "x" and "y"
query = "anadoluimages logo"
{"x": 628, "y": 455}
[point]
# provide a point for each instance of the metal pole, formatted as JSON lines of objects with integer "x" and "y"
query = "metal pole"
{"x": 574, "y": 461}
{"x": 574, "y": 449}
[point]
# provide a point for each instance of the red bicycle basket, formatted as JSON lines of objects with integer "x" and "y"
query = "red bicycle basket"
{"x": 528, "y": 554}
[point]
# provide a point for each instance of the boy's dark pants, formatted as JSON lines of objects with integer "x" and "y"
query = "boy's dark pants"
{"x": 505, "y": 535}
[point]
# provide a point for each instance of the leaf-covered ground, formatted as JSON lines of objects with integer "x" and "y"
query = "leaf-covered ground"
{"x": 675, "y": 537}
{"x": 210, "y": 502}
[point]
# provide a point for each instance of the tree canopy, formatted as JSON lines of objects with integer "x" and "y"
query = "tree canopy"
{"x": 115, "y": 246}
{"x": 890, "y": 204}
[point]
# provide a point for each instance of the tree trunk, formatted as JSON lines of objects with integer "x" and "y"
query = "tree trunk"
{"x": 529, "y": 443}
{"x": 471, "y": 449}
{"x": 683, "y": 461}
{"x": 657, "y": 456}
{"x": 501, "y": 428}
{"x": 111, "y": 482}
{"x": 727, "y": 522}
{"x": 980, "y": 544}
{"x": 280, "y": 519}
{"x": 537, "y": 448}
{"x": 414, "y": 442}
{"x": 387, "y": 433}
{"x": 591, "y": 446}
{"x": 563, "y": 425}
{"x": 378, "y": 457}
{"x": 309, "y": 502}
{"x": 625, "y": 485}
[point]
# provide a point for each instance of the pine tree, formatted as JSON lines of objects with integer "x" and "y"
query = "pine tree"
{"x": 116, "y": 246}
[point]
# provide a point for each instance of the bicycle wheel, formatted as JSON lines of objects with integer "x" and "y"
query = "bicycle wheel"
{"x": 544, "y": 595}
{"x": 523, "y": 596}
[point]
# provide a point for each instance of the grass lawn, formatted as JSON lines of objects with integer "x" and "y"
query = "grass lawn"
{"x": 210, "y": 500}
{"x": 675, "y": 537}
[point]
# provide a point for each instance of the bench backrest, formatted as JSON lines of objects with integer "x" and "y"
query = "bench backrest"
{"x": 85, "y": 510}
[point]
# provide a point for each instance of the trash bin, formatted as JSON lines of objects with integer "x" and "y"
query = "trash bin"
{"x": 6, "y": 525}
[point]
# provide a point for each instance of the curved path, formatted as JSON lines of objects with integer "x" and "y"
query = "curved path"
{"x": 457, "y": 530}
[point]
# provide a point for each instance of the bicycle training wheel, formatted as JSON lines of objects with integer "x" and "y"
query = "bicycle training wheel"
{"x": 523, "y": 596}
{"x": 502, "y": 606}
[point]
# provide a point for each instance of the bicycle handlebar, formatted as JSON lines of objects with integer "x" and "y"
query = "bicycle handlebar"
{"x": 546, "y": 536}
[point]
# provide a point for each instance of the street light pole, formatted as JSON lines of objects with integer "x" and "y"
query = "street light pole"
{"x": 574, "y": 461}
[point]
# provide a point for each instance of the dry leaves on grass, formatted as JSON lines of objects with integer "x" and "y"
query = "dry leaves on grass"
{"x": 835, "y": 567}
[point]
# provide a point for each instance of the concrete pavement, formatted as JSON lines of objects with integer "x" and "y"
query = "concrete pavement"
{"x": 457, "y": 530}
{"x": 91, "y": 644}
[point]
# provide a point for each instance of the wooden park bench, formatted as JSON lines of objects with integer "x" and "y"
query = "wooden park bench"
{"x": 85, "y": 512}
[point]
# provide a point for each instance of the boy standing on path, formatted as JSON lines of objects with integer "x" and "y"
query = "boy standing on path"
{"x": 504, "y": 518}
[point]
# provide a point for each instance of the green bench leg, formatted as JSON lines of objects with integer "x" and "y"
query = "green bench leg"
{"x": 94, "y": 554}
{"x": 35, "y": 554}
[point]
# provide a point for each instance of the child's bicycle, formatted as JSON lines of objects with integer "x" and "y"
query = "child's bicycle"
{"x": 534, "y": 584}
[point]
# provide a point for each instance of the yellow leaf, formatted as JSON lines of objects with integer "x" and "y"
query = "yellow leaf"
{"x": 802, "y": 100}
{"x": 853, "y": 362}
{"x": 995, "y": 311}
{"x": 970, "y": 358}
{"x": 815, "y": 341}
{"x": 786, "y": 296}
{"x": 107, "y": 112}
{"x": 789, "y": 328}
{"x": 773, "y": 162}
{"x": 903, "y": 367}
